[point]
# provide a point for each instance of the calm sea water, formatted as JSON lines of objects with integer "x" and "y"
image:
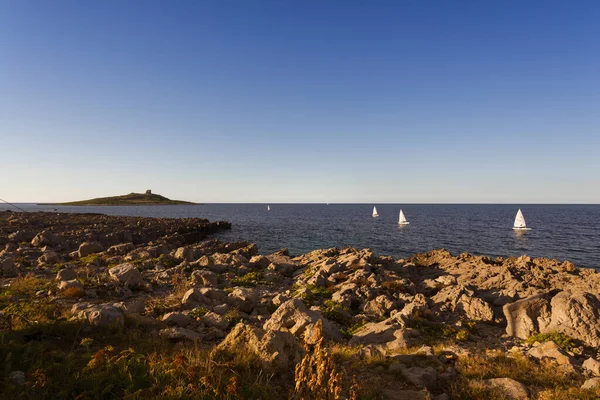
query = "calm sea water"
{"x": 565, "y": 232}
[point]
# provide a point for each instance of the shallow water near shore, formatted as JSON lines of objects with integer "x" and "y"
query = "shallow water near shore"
{"x": 564, "y": 232}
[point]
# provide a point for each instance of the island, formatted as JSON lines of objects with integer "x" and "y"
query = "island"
{"x": 147, "y": 198}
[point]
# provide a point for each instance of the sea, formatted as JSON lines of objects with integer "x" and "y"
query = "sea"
{"x": 564, "y": 232}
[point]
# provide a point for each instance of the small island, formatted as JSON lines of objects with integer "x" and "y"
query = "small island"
{"x": 147, "y": 198}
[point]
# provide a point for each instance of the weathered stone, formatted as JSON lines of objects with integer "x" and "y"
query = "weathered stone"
{"x": 244, "y": 299}
{"x": 513, "y": 389}
{"x": 98, "y": 314}
{"x": 593, "y": 383}
{"x": 577, "y": 315}
{"x": 528, "y": 316}
{"x": 71, "y": 284}
{"x": 551, "y": 350}
{"x": 475, "y": 308}
{"x": 177, "y": 318}
{"x": 194, "y": 297}
{"x": 293, "y": 316}
{"x": 66, "y": 274}
{"x": 17, "y": 378}
{"x": 8, "y": 268}
{"x": 87, "y": 248}
{"x": 178, "y": 333}
{"x": 120, "y": 249}
{"x": 46, "y": 238}
{"x": 205, "y": 278}
{"x": 592, "y": 365}
{"x": 127, "y": 274}
{"x": 279, "y": 349}
{"x": 215, "y": 320}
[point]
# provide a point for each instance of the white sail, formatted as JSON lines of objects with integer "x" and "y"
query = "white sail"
{"x": 520, "y": 221}
{"x": 375, "y": 212}
{"x": 268, "y": 208}
{"x": 402, "y": 219}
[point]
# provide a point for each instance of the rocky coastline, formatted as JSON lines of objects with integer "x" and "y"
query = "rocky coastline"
{"x": 100, "y": 306}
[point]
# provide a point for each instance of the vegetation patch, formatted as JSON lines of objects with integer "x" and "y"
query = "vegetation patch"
{"x": 563, "y": 341}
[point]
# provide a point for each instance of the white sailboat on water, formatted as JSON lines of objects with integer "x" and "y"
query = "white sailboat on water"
{"x": 375, "y": 215}
{"x": 402, "y": 219}
{"x": 520, "y": 224}
{"x": 268, "y": 208}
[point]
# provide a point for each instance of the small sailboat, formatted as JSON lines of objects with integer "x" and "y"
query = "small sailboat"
{"x": 402, "y": 219}
{"x": 520, "y": 224}
{"x": 375, "y": 215}
{"x": 268, "y": 208}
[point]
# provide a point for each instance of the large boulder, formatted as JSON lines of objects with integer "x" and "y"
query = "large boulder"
{"x": 127, "y": 274}
{"x": 527, "y": 316}
{"x": 177, "y": 319}
{"x": 46, "y": 238}
{"x": 87, "y": 248}
{"x": 99, "y": 314}
{"x": 178, "y": 333}
{"x": 576, "y": 315}
{"x": 294, "y": 317}
{"x": 475, "y": 308}
{"x": 8, "y": 268}
{"x": 66, "y": 274}
{"x": 512, "y": 388}
{"x": 376, "y": 333}
{"x": 278, "y": 349}
{"x": 205, "y": 278}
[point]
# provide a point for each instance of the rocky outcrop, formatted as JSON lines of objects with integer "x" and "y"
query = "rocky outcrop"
{"x": 294, "y": 317}
{"x": 275, "y": 348}
{"x": 87, "y": 248}
{"x": 99, "y": 315}
{"x": 127, "y": 274}
{"x": 577, "y": 315}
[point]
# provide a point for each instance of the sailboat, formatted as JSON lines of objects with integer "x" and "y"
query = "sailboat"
{"x": 402, "y": 219}
{"x": 375, "y": 215}
{"x": 520, "y": 222}
{"x": 268, "y": 208}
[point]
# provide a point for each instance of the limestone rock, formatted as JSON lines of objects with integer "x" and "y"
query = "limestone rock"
{"x": 593, "y": 383}
{"x": 70, "y": 284}
{"x": 66, "y": 274}
{"x": 528, "y": 316}
{"x": 215, "y": 320}
{"x": 576, "y": 315}
{"x": 8, "y": 268}
{"x": 592, "y": 365}
{"x": 177, "y": 318}
{"x": 127, "y": 274}
{"x": 551, "y": 350}
{"x": 194, "y": 297}
{"x": 376, "y": 333}
{"x": 120, "y": 249}
{"x": 98, "y": 314}
{"x": 279, "y": 349}
{"x": 46, "y": 238}
{"x": 514, "y": 389}
{"x": 293, "y": 316}
{"x": 178, "y": 333}
{"x": 205, "y": 278}
{"x": 475, "y": 308}
{"x": 87, "y": 248}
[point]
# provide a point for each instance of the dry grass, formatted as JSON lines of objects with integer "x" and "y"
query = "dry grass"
{"x": 317, "y": 376}
{"x": 543, "y": 379}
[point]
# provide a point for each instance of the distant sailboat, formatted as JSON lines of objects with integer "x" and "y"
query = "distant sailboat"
{"x": 402, "y": 219}
{"x": 375, "y": 215}
{"x": 520, "y": 224}
{"x": 268, "y": 208}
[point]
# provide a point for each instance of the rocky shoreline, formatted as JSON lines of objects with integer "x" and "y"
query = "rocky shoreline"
{"x": 332, "y": 323}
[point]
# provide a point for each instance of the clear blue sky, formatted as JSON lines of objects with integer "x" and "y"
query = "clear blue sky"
{"x": 301, "y": 101}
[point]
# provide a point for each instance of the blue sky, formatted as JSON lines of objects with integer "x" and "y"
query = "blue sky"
{"x": 301, "y": 101}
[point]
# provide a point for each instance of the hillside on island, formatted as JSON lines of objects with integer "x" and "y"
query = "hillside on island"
{"x": 147, "y": 198}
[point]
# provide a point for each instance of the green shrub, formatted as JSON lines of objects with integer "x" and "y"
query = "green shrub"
{"x": 562, "y": 340}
